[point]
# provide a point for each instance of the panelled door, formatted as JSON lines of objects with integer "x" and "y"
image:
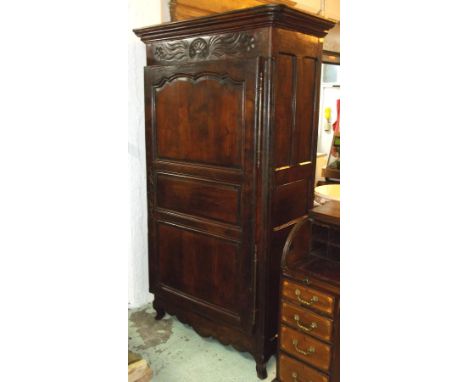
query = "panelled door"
{"x": 200, "y": 130}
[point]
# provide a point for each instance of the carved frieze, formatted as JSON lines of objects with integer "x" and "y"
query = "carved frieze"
{"x": 217, "y": 46}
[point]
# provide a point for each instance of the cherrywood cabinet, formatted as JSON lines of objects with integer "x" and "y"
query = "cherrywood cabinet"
{"x": 231, "y": 126}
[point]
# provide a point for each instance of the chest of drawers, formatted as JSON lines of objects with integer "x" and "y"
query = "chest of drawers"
{"x": 309, "y": 320}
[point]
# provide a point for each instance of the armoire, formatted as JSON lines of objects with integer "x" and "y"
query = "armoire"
{"x": 231, "y": 106}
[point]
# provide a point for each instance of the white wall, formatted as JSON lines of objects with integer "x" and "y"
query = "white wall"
{"x": 166, "y": 14}
{"x": 329, "y": 8}
{"x": 140, "y": 13}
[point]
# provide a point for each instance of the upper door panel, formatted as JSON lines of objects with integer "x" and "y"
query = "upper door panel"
{"x": 200, "y": 112}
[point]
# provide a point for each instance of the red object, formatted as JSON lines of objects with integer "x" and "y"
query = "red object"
{"x": 336, "y": 124}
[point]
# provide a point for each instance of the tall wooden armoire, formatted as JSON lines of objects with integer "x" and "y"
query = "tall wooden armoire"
{"x": 231, "y": 106}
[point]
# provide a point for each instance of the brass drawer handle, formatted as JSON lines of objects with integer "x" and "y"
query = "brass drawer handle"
{"x": 294, "y": 376}
{"x": 308, "y": 303}
{"x": 309, "y": 351}
{"x": 312, "y": 326}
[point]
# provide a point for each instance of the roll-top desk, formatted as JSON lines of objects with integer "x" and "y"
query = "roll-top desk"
{"x": 309, "y": 335}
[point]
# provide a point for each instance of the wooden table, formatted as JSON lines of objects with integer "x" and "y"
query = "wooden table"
{"x": 138, "y": 369}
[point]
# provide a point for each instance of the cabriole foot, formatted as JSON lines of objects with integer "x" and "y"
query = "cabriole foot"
{"x": 261, "y": 370}
{"x": 160, "y": 312}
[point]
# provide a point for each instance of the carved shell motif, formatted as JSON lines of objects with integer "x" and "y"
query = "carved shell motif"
{"x": 216, "y": 46}
{"x": 198, "y": 47}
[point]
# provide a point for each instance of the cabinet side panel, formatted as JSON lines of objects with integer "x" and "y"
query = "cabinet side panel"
{"x": 284, "y": 102}
{"x": 290, "y": 202}
{"x": 304, "y": 109}
{"x": 293, "y": 142}
{"x": 278, "y": 239}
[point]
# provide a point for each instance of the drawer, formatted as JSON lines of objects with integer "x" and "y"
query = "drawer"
{"x": 306, "y": 321}
{"x": 291, "y": 370}
{"x": 309, "y": 297}
{"x": 304, "y": 347}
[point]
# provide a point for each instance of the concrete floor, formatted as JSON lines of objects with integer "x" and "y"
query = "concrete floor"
{"x": 176, "y": 353}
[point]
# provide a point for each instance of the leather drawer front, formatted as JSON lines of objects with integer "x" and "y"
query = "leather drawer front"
{"x": 306, "y": 348}
{"x": 295, "y": 371}
{"x": 309, "y": 297}
{"x": 306, "y": 321}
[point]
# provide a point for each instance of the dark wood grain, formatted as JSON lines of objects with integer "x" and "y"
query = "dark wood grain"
{"x": 210, "y": 200}
{"x": 272, "y": 15}
{"x": 307, "y": 321}
{"x": 317, "y": 353}
{"x": 309, "y": 297}
{"x": 200, "y": 265}
{"x": 290, "y": 202}
{"x": 221, "y": 103}
{"x": 304, "y": 112}
{"x": 192, "y": 101}
{"x": 199, "y": 224}
{"x": 285, "y": 96}
{"x": 294, "y": 173}
{"x": 295, "y": 371}
{"x": 198, "y": 170}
